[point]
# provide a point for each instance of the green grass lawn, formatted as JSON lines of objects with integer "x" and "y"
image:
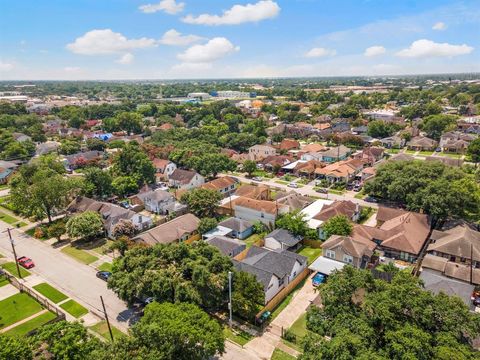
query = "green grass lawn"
{"x": 281, "y": 355}
{"x": 3, "y": 281}
{"x": 12, "y": 269}
{"x": 16, "y": 308}
{"x": 74, "y": 308}
{"x": 425, "y": 153}
{"x": 310, "y": 253}
{"x": 283, "y": 182}
{"x": 32, "y": 324}
{"x": 299, "y": 327}
{"x": 252, "y": 239}
{"x": 411, "y": 152}
{"x": 103, "y": 247}
{"x": 80, "y": 255}
{"x": 392, "y": 151}
{"x": 287, "y": 300}
{"x": 360, "y": 195}
{"x": 7, "y": 218}
{"x": 101, "y": 328}
{"x": 237, "y": 336}
{"x": 50, "y": 292}
{"x": 452, "y": 155}
{"x": 30, "y": 232}
{"x": 105, "y": 267}
{"x": 21, "y": 224}
{"x": 336, "y": 192}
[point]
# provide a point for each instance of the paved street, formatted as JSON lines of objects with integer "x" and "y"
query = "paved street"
{"x": 68, "y": 275}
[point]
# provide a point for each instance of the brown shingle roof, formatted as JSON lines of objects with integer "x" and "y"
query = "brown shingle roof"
{"x": 253, "y": 192}
{"x": 350, "y": 245}
{"x": 346, "y": 207}
{"x": 220, "y": 183}
{"x": 460, "y": 241}
{"x": 182, "y": 176}
{"x": 259, "y": 205}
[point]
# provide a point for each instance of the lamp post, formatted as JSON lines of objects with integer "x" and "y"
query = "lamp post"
{"x": 230, "y": 298}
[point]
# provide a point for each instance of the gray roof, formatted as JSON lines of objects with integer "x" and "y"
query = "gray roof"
{"x": 157, "y": 195}
{"x": 284, "y": 236}
{"x": 226, "y": 245}
{"x": 236, "y": 224}
{"x": 436, "y": 282}
{"x": 263, "y": 277}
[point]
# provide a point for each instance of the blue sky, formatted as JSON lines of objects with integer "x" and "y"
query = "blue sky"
{"x": 165, "y": 39}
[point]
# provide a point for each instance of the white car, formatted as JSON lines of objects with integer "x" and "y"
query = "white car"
{"x": 293, "y": 185}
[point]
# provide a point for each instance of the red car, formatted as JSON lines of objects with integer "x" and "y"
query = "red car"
{"x": 26, "y": 262}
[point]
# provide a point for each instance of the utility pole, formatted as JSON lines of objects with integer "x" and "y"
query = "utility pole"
{"x": 471, "y": 263}
{"x": 14, "y": 252}
{"x": 106, "y": 318}
{"x": 230, "y": 298}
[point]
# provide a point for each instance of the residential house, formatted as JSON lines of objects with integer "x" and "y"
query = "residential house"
{"x": 288, "y": 144}
{"x": 393, "y": 142}
{"x": 336, "y": 153}
{"x": 185, "y": 179}
{"x": 307, "y": 168}
{"x": 163, "y": 169}
{"x": 46, "y": 147}
{"x": 455, "y": 142}
{"x": 370, "y": 155}
{"x": 83, "y": 158}
{"x": 342, "y": 171}
{"x": 455, "y": 253}
{"x": 253, "y": 210}
{"x": 274, "y": 162}
{"x": 422, "y": 143}
{"x": 240, "y": 229}
{"x": 367, "y": 173}
{"x": 293, "y": 200}
{"x": 7, "y": 168}
{"x": 260, "y": 152}
{"x": 348, "y": 250}
{"x": 159, "y": 202}
{"x": 225, "y": 185}
{"x": 399, "y": 234}
{"x": 273, "y": 269}
{"x": 345, "y": 207}
{"x": 110, "y": 213}
{"x": 281, "y": 239}
{"x": 227, "y": 246}
{"x": 401, "y": 157}
{"x": 314, "y": 147}
{"x": 257, "y": 192}
{"x": 182, "y": 228}
{"x": 359, "y": 130}
{"x": 20, "y": 137}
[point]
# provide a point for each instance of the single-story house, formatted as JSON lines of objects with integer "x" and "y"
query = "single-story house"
{"x": 273, "y": 269}
{"x": 227, "y": 246}
{"x": 281, "y": 239}
{"x": 257, "y": 192}
{"x": 336, "y": 153}
{"x": 393, "y": 142}
{"x": 240, "y": 229}
{"x": 422, "y": 143}
{"x": 179, "y": 229}
{"x": 185, "y": 179}
{"x": 157, "y": 201}
{"x": 344, "y": 207}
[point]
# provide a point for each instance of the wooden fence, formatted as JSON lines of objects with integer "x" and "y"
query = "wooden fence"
{"x": 316, "y": 244}
{"x": 282, "y": 294}
{"x": 240, "y": 256}
{"x": 193, "y": 238}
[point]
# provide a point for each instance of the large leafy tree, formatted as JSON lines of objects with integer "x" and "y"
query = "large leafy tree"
{"x": 432, "y": 187}
{"x": 39, "y": 190}
{"x": 373, "y": 319}
{"x": 85, "y": 225}
{"x": 436, "y": 125}
{"x": 98, "y": 183}
{"x": 294, "y": 222}
{"x": 247, "y": 296}
{"x": 202, "y": 202}
{"x": 249, "y": 166}
{"x": 474, "y": 150}
{"x": 337, "y": 225}
{"x": 132, "y": 161}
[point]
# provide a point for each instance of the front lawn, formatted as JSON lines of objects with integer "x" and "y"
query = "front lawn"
{"x": 452, "y": 155}
{"x": 105, "y": 267}
{"x": 237, "y": 336}
{"x": 281, "y": 355}
{"x": 425, "y": 153}
{"x": 74, "y": 308}
{"x": 7, "y": 218}
{"x": 11, "y": 267}
{"x": 80, "y": 255}
{"x": 50, "y": 292}
{"x": 336, "y": 192}
{"x": 101, "y": 328}
{"x": 32, "y": 324}
{"x": 3, "y": 281}
{"x": 411, "y": 152}
{"x": 17, "y": 307}
{"x": 310, "y": 253}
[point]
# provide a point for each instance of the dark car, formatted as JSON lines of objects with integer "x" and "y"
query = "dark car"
{"x": 104, "y": 275}
{"x": 26, "y": 262}
{"x": 322, "y": 191}
{"x": 371, "y": 199}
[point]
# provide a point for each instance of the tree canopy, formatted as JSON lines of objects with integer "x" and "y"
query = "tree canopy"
{"x": 337, "y": 225}
{"x": 202, "y": 202}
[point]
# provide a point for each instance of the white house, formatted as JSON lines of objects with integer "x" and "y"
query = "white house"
{"x": 258, "y": 210}
{"x": 185, "y": 179}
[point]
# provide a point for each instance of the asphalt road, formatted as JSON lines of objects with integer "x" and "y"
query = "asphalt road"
{"x": 76, "y": 280}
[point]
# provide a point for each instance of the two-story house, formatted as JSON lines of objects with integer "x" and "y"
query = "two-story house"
{"x": 163, "y": 169}
{"x": 185, "y": 179}
{"x": 348, "y": 250}
{"x": 260, "y": 152}
{"x": 255, "y": 210}
{"x": 225, "y": 185}
{"x": 158, "y": 201}
{"x": 281, "y": 239}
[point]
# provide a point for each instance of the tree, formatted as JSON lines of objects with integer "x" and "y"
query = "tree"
{"x": 474, "y": 150}
{"x": 337, "y": 225}
{"x": 207, "y": 224}
{"x": 86, "y": 225}
{"x": 389, "y": 320}
{"x": 14, "y": 348}
{"x": 132, "y": 161}
{"x": 436, "y": 125}
{"x": 130, "y": 122}
{"x": 95, "y": 144}
{"x": 294, "y": 222}
{"x": 122, "y": 244}
{"x": 248, "y": 295}
{"x": 381, "y": 129}
{"x": 211, "y": 164}
{"x": 69, "y": 147}
{"x": 40, "y": 191}
{"x": 57, "y": 229}
{"x": 202, "y": 202}
{"x": 124, "y": 186}
{"x": 98, "y": 183}
{"x": 177, "y": 331}
{"x": 123, "y": 228}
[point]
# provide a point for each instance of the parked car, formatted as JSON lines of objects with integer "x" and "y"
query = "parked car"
{"x": 104, "y": 275}
{"x": 322, "y": 191}
{"x": 148, "y": 300}
{"x": 371, "y": 199}
{"x": 257, "y": 178}
{"x": 293, "y": 185}
{"x": 26, "y": 262}
{"x": 318, "y": 279}
{"x": 357, "y": 188}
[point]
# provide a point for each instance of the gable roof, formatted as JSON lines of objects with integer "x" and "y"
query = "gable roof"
{"x": 252, "y": 191}
{"x": 344, "y": 207}
{"x": 160, "y": 164}
{"x": 236, "y": 224}
{"x": 182, "y": 176}
{"x": 337, "y": 151}
{"x": 171, "y": 231}
{"x": 265, "y": 206}
{"x": 219, "y": 183}
{"x": 156, "y": 195}
{"x": 284, "y": 237}
{"x": 289, "y": 144}
{"x": 350, "y": 246}
{"x": 460, "y": 241}
{"x": 224, "y": 244}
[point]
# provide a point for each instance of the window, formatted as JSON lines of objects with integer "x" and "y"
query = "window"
{"x": 347, "y": 259}
{"x": 262, "y": 215}
{"x": 280, "y": 282}
{"x": 330, "y": 254}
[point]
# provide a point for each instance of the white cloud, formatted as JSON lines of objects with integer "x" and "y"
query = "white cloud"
{"x": 169, "y": 6}
{"x": 126, "y": 59}
{"x": 214, "y": 49}
{"x": 374, "y": 51}
{"x": 439, "y": 26}
{"x": 426, "y": 48}
{"x": 99, "y": 42}
{"x": 320, "y": 52}
{"x": 174, "y": 38}
{"x": 238, "y": 14}
{"x": 71, "y": 69}
{"x": 5, "y": 66}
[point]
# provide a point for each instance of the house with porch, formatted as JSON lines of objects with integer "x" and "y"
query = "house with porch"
{"x": 422, "y": 143}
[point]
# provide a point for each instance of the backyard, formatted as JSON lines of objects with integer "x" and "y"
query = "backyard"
{"x": 310, "y": 252}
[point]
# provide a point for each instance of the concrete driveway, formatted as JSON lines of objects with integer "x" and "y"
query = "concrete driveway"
{"x": 75, "y": 279}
